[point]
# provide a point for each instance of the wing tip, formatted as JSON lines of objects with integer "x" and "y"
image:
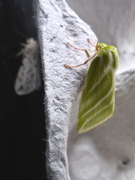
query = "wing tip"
{"x": 83, "y": 130}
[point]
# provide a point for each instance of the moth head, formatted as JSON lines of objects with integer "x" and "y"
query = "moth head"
{"x": 100, "y": 46}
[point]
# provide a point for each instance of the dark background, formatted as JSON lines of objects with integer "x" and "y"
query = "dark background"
{"x": 22, "y": 121}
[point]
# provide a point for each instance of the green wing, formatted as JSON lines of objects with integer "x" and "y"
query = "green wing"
{"x": 98, "y": 96}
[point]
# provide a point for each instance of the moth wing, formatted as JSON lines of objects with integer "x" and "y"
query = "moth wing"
{"x": 98, "y": 96}
{"x": 28, "y": 77}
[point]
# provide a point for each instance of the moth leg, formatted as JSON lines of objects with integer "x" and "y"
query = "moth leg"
{"x": 68, "y": 66}
{"x": 86, "y": 51}
{"x": 92, "y": 43}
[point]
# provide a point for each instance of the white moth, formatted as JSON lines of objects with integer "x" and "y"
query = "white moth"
{"x": 28, "y": 77}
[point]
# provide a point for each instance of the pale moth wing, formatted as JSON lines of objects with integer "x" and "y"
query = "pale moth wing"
{"x": 98, "y": 96}
{"x": 28, "y": 77}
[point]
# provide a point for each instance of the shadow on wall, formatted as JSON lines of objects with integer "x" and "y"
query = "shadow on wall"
{"x": 22, "y": 117}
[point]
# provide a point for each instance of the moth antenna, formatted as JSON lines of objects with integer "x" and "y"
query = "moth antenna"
{"x": 91, "y": 43}
{"x": 23, "y": 35}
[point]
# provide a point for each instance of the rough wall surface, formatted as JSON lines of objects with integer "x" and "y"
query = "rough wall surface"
{"x": 57, "y": 25}
{"x": 108, "y": 151}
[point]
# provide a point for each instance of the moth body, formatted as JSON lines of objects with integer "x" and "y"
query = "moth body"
{"x": 28, "y": 76}
{"x": 98, "y": 96}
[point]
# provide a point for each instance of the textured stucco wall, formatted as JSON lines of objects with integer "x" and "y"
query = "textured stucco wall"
{"x": 57, "y": 25}
{"x": 106, "y": 152}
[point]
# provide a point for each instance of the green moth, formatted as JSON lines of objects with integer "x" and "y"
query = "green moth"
{"x": 98, "y": 96}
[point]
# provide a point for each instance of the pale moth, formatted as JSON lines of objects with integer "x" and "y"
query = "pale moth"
{"x": 28, "y": 77}
{"x": 98, "y": 95}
